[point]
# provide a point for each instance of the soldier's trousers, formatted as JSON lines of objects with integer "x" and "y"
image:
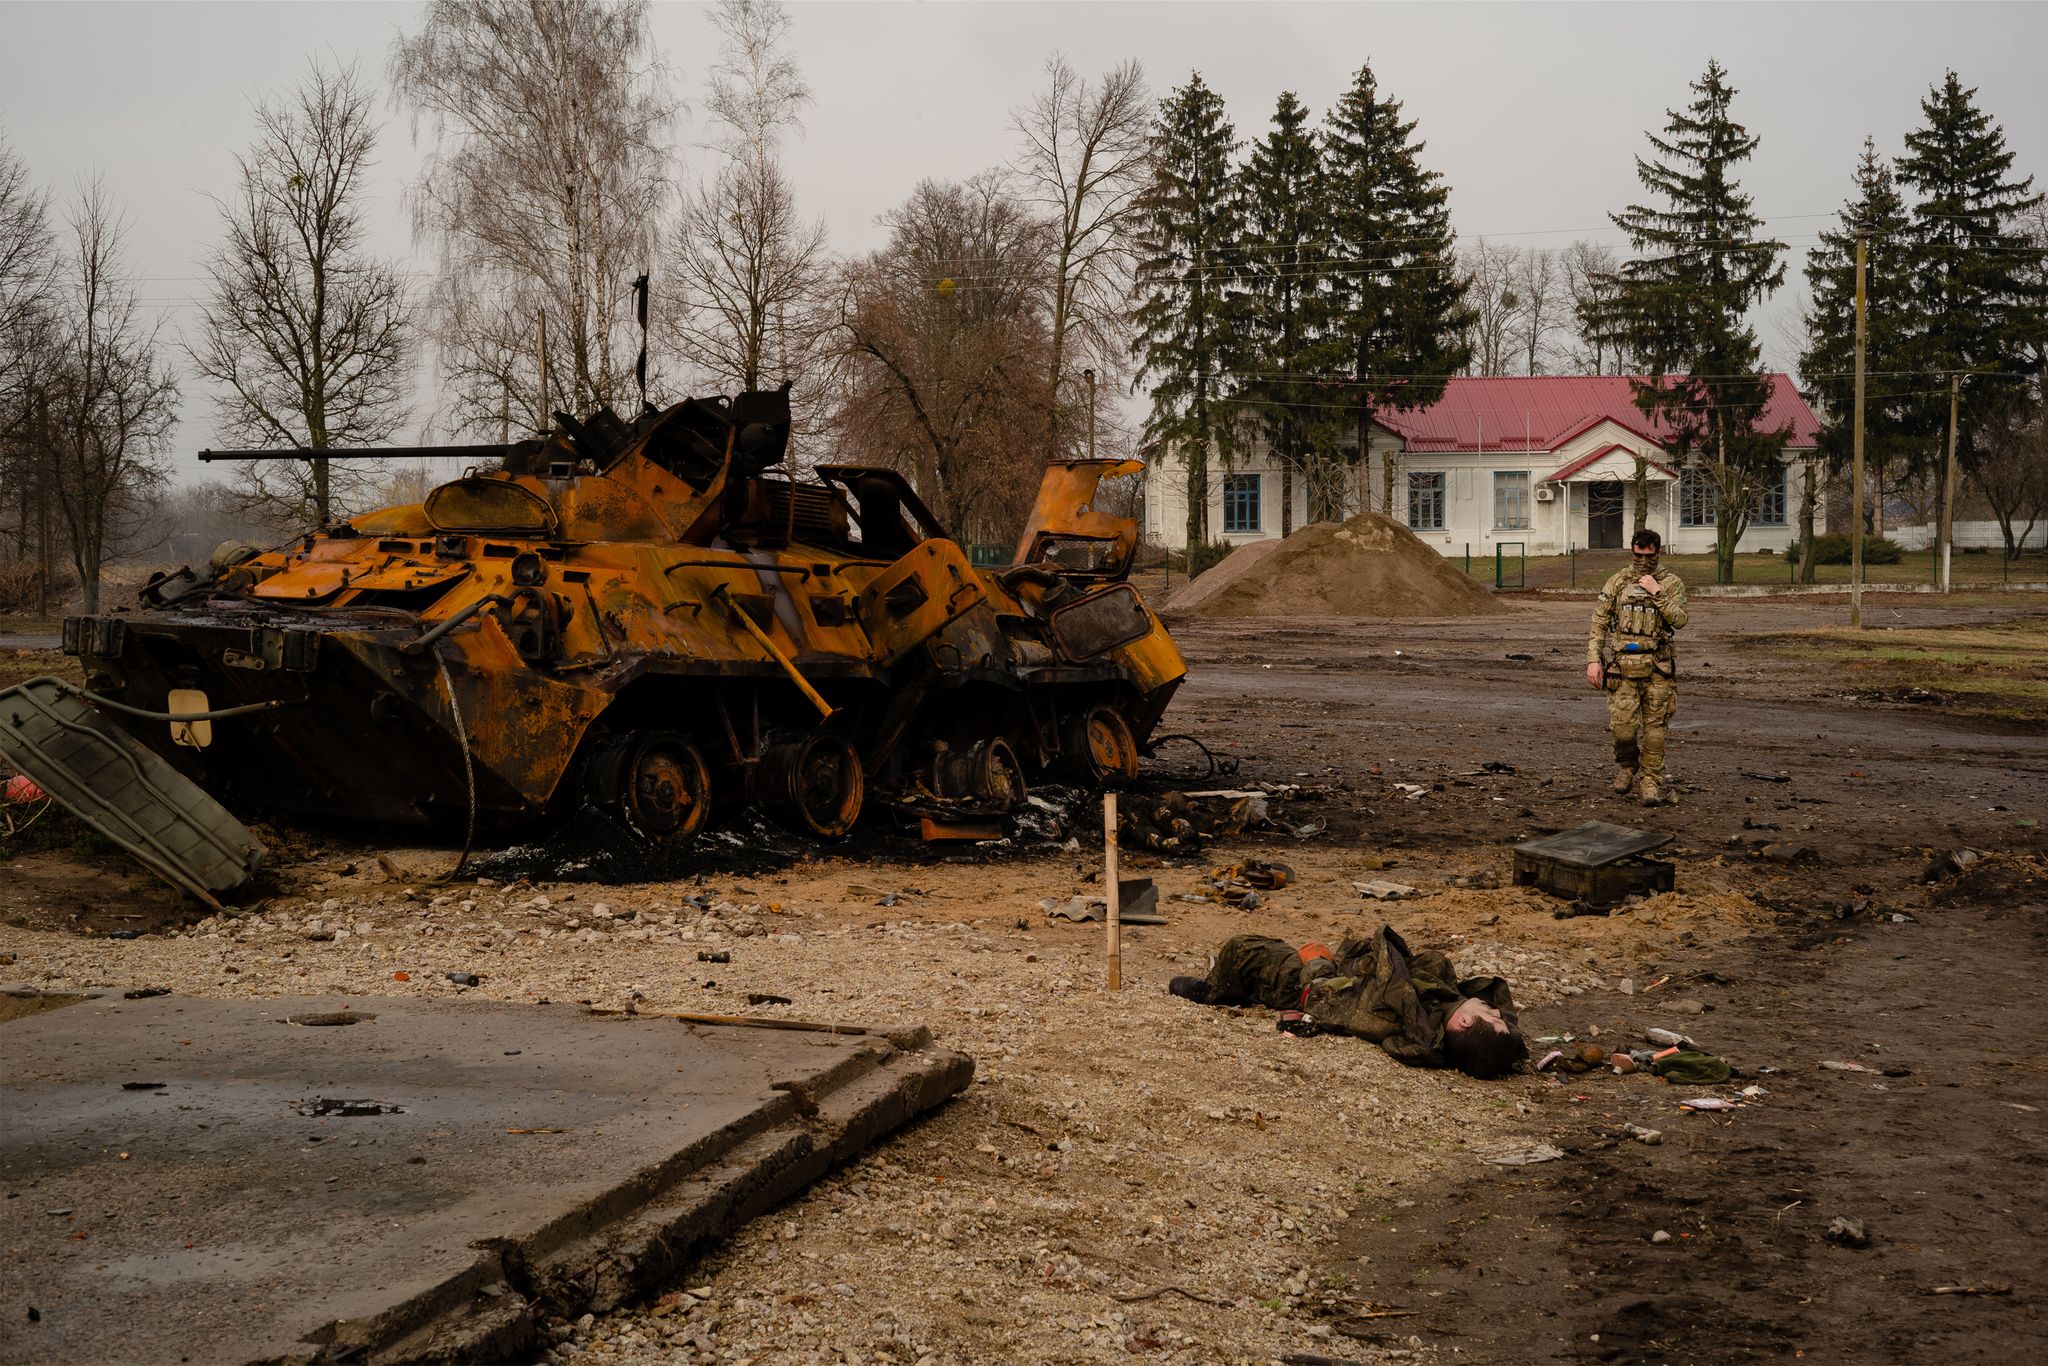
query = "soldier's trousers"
{"x": 1638, "y": 713}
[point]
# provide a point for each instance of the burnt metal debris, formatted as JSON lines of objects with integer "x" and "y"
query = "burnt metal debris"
{"x": 659, "y": 620}
{"x": 98, "y": 772}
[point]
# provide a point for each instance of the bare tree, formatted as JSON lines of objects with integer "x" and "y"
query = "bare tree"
{"x": 110, "y": 403}
{"x": 27, "y": 283}
{"x": 550, "y": 120}
{"x": 1539, "y": 306}
{"x": 1495, "y": 305}
{"x": 1589, "y": 270}
{"x": 1086, "y": 155}
{"x": 306, "y": 332}
{"x": 2012, "y": 469}
{"x": 945, "y": 367}
{"x": 751, "y": 273}
{"x": 27, "y": 275}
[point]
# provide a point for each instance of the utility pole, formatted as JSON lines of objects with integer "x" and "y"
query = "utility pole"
{"x": 546, "y": 421}
{"x": 1089, "y": 375}
{"x": 1948, "y": 481}
{"x": 1856, "y": 461}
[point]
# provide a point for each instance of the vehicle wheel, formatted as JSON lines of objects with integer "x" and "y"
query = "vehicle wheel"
{"x": 814, "y": 781}
{"x": 987, "y": 773}
{"x": 662, "y": 788}
{"x": 1100, "y": 750}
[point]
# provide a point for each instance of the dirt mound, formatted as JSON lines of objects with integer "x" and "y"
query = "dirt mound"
{"x": 1370, "y": 566}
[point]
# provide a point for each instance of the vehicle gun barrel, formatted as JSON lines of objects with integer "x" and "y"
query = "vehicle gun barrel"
{"x": 484, "y": 450}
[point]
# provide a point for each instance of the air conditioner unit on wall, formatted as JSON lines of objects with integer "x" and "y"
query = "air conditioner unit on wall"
{"x": 1546, "y": 493}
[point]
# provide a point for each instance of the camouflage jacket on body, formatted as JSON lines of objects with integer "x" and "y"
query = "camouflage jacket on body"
{"x": 1376, "y": 989}
{"x": 1632, "y": 629}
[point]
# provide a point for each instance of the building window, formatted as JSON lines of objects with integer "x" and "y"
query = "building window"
{"x": 1511, "y": 500}
{"x": 1768, "y": 508}
{"x": 1696, "y": 497}
{"x": 1426, "y": 501}
{"x": 1240, "y": 503}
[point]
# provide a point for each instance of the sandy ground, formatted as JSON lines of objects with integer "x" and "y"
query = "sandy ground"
{"x": 1135, "y": 1176}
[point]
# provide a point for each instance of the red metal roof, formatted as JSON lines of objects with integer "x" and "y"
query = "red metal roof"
{"x": 1543, "y": 412}
{"x": 1569, "y": 470}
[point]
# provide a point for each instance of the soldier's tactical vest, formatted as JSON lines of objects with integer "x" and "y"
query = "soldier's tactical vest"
{"x": 1638, "y": 638}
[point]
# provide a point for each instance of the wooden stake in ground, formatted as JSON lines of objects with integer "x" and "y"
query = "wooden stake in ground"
{"x": 1109, "y": 877}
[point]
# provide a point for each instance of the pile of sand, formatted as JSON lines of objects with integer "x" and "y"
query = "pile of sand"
{"x": 1370, "y": 566}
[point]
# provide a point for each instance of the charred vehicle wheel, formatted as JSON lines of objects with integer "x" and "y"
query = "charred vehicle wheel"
{"x": 1098, "y": 747}
{"x": 813, "y": 781}
{"x": 656, "y": 782}
{"x": 985, "y": 773}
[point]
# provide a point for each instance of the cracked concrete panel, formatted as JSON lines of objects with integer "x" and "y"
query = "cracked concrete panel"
{"x": 399, "y": 1181}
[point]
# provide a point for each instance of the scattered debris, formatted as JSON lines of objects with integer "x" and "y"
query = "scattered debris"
{"x": 1845, "y": 1232}
{"x": 142, "y": 1085}
{"x": 1768, "y": 777}
{"x": 1524, "y": 1157}
{"x": 714, "y": 955}
{"x": 1708, "y": 1103}
{"x": 326, "y": 1107}
{"x": 767, "y": 998}
{"x": 1669, "y": 1038}
{"x": 1998, "y": 1289}
{"x": 1648, "y": 1137}
{"x": 1949, "y": 863}
{"x": 144, "y": 993}
{"x": 21, "y": 788}
{"x": 1380, "y": 890}
{"x": 464, "y": 979}
{"x": 1660, "y": 1237}
{"x": 1137, "y": 904}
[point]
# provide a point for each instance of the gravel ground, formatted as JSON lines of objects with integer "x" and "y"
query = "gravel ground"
{"x": 1129, "y": 1174}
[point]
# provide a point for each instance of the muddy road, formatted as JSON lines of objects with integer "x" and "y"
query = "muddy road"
{"x": 1937, "y": 1152}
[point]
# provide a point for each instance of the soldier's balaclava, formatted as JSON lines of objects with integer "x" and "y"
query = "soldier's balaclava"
{"x": 1643, "y": 562}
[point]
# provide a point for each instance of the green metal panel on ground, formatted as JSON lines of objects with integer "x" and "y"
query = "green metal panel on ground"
{"x": 96, "y": 771}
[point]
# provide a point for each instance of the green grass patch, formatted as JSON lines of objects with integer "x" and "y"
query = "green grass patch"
{"x": 1998, "y": 671}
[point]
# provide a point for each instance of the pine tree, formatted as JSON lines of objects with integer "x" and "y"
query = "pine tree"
{"x": 1829, "y": 361}
{"x": 1399, "y": 307}
{"x": 1685, "y": 299}
{"x": 1979, "y": 309}
{"x": 1191, "y": 229}
{"x": 1286, "y": 281}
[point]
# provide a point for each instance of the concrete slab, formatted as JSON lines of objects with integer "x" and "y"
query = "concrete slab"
{"x": 207, "y": 1181}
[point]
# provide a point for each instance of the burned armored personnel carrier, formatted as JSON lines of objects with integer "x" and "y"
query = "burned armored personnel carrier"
{"x": 659, "y": 620}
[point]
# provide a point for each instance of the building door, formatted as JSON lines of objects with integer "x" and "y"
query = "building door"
{"x": 1603, "y": 515}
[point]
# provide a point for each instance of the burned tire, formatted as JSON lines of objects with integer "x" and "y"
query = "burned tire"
{"x": 986, "y": 773}
{"x": 1098, "y": 749}
{"x": 657, "y": 783}
{"x": 813, "y": 782}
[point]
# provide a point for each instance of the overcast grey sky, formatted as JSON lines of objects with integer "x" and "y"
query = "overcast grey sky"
{"x": 1534, "y": 112}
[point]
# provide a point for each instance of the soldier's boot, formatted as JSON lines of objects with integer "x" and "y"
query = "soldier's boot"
{"x": 1651, "y": 794}
{"x": 1624, "y": 779}
{"x": 1190, "y": 988}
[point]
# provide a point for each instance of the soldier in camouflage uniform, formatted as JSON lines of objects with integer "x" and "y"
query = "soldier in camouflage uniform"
{"x": 1413, "y": 1005}
{"x": 1628, "y": 652}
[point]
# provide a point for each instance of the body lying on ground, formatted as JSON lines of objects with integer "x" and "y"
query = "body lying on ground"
{"x": 1411, "y": 1004}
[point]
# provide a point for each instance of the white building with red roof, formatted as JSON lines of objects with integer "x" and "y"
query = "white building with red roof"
{"x": 1546, "y": 461}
